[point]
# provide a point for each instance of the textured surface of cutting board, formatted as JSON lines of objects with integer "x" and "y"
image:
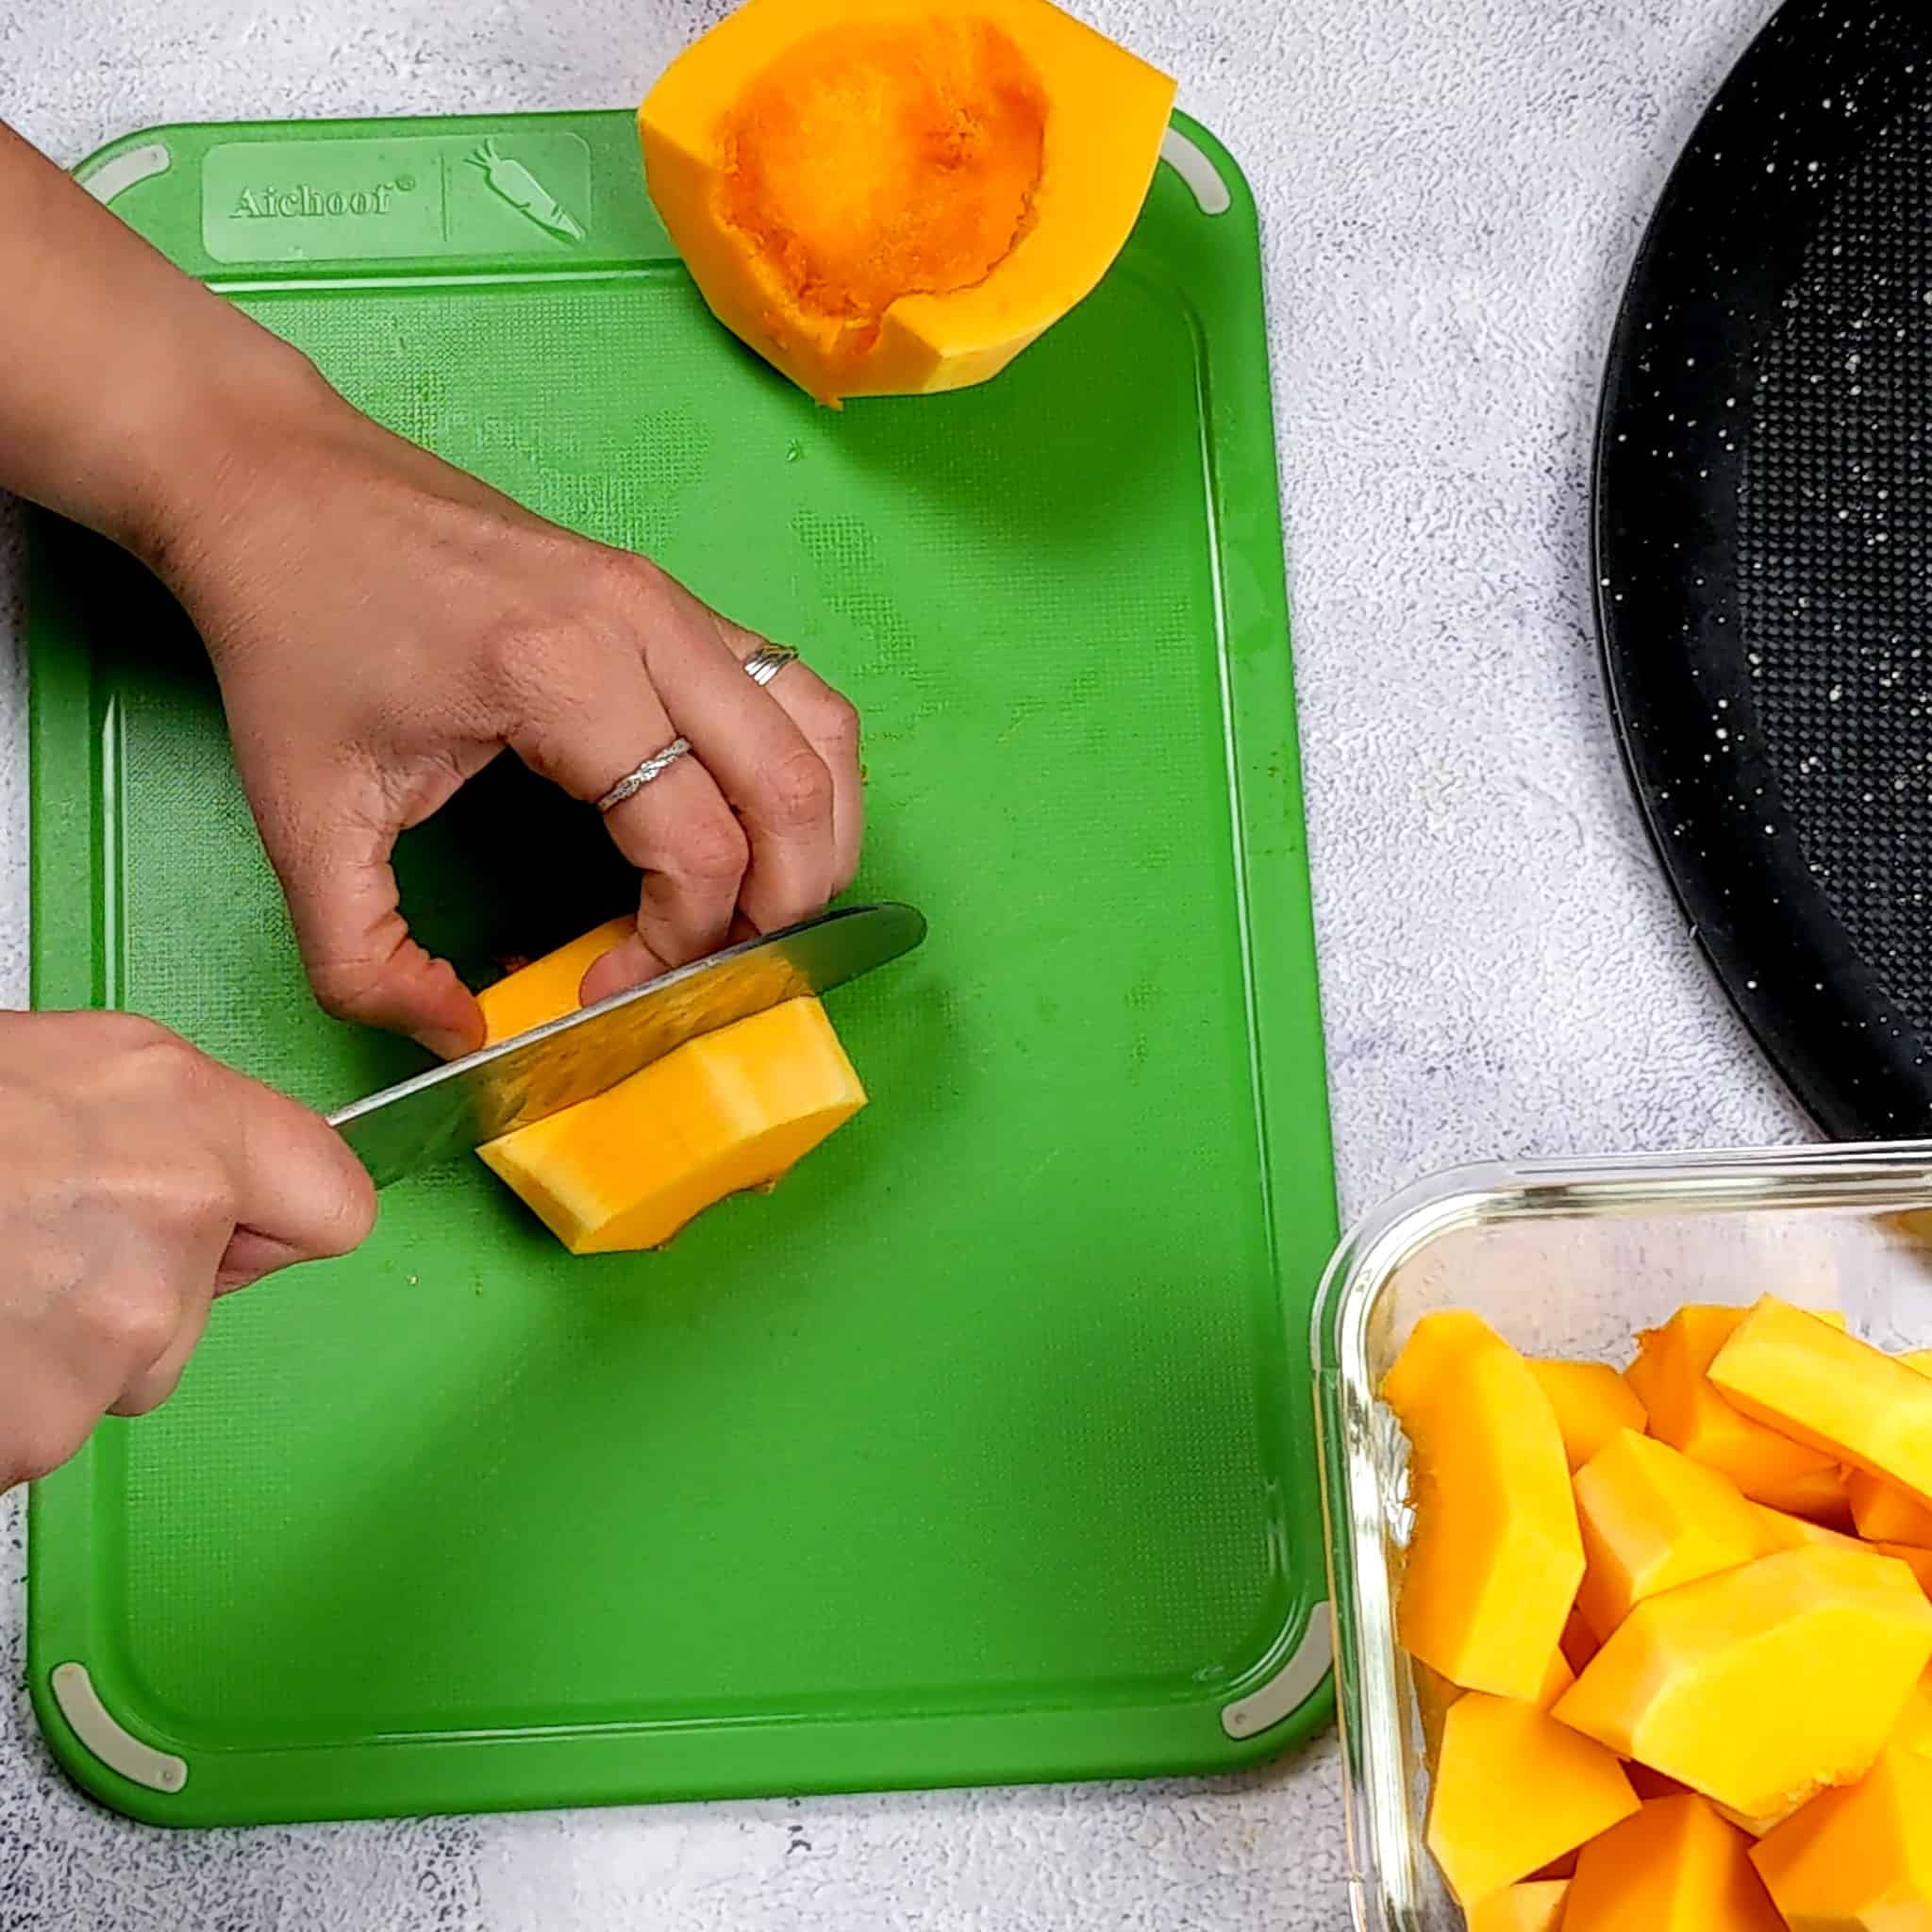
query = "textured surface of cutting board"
{"x": 981, "y": 1450}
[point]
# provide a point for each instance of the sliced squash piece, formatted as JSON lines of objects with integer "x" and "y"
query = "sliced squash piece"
{"x": 1671, "y": 1378}
{"x": 1914, "y": 1732}
{"x": 1579, "y": 1642}
{"x": 1832, "y": 1392}
{"x": 1592, "y": 1402}
{"x": 726, "y": 1112}
{"x": 1915, "y": 1558}
{"x": 1762, "y": 1685}
{"x": 1652, "y": 1519}
{"x": 1676, "y": 1867}
{"x": 886, "y": 197}
{"x": 1536, "y": 1906}
{"x": 1858, "y": 1860}
{"x": 1762, "y": 1825}
{"x": 1557, "y": 1679}
{"x": 1786, "y": 1532}
{"x": 1514, "y": 1791}
{"x": 1434, "y": 1694}
{"x": 1493, "y": 1569}
{"x": 1885, "y": 1513}
{"x": 1649, "y": 1784}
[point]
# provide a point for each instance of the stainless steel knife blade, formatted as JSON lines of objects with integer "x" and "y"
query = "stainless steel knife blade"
{"x": 452, "y": 1108}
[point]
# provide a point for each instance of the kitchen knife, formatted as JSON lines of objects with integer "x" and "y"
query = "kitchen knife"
{"x": 455, "y": 1108}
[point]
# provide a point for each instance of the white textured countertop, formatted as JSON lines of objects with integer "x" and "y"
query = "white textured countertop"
{"x": 1451, "y": 191}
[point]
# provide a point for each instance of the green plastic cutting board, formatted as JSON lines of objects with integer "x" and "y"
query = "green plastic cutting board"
{"x": 980, "y": 1451}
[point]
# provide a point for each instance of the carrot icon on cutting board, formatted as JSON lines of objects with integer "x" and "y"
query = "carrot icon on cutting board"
{"x": 512, "y": 182}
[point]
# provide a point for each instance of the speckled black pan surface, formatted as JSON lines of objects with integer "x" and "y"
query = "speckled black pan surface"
{"x": 1765, "y": 550}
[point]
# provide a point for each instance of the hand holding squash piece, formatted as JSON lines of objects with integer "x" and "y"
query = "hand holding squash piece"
{"x": 360, "y": 698}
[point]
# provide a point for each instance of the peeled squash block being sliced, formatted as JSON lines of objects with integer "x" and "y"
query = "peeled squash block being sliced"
{"x": 1514, "y": 1791}
{"x": 725, "y": 1113}
{"x": 1676, "y": 1867}
{"x": 1536, "y": 1907}
{"x": 1832, "y": 1392}
{"x": 1493, "y": 1569}
{"x": 1762, "y": 1685}
{"x": 1651, "y": 1520}
{"x": 886, "y": 197}
{"x": 1858, "y": 1860}
{"x": 1594, "y": 1403}
{"x": 1671, "y": 1378}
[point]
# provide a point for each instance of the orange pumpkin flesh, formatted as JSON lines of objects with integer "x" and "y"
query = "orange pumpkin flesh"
{"x": 888, "y": 197}
{"x": 726, "y": 1112}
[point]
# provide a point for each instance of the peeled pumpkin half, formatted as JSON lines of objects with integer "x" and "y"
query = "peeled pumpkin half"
{"x": 726, "y": 1112}
{"x": 890, "y": 197}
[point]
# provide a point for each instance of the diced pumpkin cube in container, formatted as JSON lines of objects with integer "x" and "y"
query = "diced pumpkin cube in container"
{"x": 1670, "y": 1376}
{"x": 1885, "y": 1513}
{"x": 1515, "y": 1790}
{"x": 1649, "y": 1784}
{"x": 1914, "y": 1730}
{"x": 888, "y": 197}
{"x": 723, "y": 1114}
{"x": 1558, "y": 1678}
{"x": 1763, "y": 1684}
{"x": 1915, "y": 1558}
{"x": 1580, "y": 1642}
{"x": 1652, "y": 1519}
{"x": 1434, "y": 1694}
{"x": 1491, "y": 1571}
{"x": 1832, "y": 1392}
{"x": 1860, "y": 1860}
{"x": 1766, "y": 1822}
{"x": 1784, "y": 1531}
{"x": 1676, "y": 1867}
{"x": 1592, "y": 1402}
{"x": 1536, "y": 1906}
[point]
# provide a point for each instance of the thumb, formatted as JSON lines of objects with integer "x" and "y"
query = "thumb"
{"x": 356, "y": 944}
{"x": 303, "y": 1196}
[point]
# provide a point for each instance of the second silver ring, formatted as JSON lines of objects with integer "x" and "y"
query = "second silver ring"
{"x": 648, "y": 773}
{"x": 767, "y": 661}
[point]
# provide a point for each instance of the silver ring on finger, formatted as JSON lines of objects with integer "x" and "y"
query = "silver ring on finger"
{"x": 767, "y": 661}
{"x": 648, "y": 773}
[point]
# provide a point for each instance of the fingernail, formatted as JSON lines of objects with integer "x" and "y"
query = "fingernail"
{"x": 622, "y": 968}
{"x": 447, "y": 1043}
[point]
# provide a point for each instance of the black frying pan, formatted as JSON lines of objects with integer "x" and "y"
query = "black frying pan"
{"x": 1763, "y": 532}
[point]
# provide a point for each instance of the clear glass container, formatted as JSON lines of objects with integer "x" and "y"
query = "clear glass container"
{"x": 1563, "y": 1261}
